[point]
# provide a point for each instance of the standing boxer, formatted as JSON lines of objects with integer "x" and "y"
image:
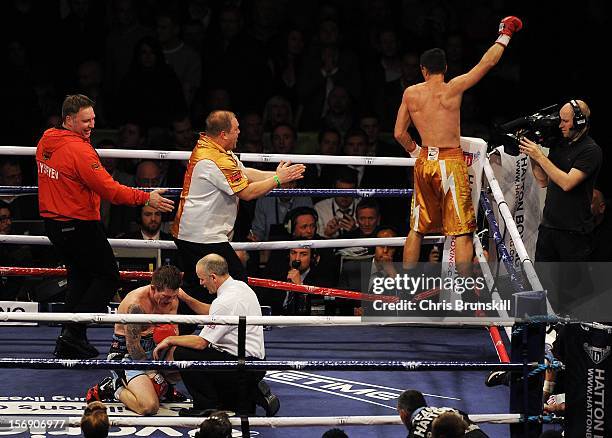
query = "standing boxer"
{"x": 442, "y": 197}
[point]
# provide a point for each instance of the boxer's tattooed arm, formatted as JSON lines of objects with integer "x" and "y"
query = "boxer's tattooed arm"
{"x": 132, "y": 335}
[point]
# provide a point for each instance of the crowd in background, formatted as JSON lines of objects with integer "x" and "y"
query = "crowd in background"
{"x": 305, "y": 76}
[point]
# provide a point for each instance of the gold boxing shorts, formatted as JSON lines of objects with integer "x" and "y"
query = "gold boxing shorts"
{"x": 442, "y": 198}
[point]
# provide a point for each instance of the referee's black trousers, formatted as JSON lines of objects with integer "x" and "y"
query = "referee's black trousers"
{"x": 219, "y": 389}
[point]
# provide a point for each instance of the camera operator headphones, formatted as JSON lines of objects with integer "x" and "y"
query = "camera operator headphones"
{"x": 293, "y": 214}
{"x": 580, "y": 120}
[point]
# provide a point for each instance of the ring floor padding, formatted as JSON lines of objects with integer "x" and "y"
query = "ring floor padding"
{"x": 323, "y": 393}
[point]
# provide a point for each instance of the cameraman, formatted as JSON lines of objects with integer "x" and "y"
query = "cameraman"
{"x": 569, "y": 173}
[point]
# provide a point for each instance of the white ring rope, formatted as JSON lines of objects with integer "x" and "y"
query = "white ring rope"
{"x": 328, "y": 159}
{"x": 357, "y": 420}
{"x": 105, "y": 318}
{"x": 247, "y": 157}
{"x": 246, "y": 246}
{"x": 512, "y": 229}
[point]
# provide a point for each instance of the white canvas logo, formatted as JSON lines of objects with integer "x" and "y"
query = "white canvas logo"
{"x": 597, "y": 354}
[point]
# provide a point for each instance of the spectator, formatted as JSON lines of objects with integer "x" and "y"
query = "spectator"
{"x": 208, "y": 100}
{"x": 323, "y": 175}
{"x": 23, "y": 206}
{"x": 217, "y": 425}
{"x": 328, "y": 142}
{"x": 368, "y": 219}
{"x": 284, "y": 139}
{"x": 184, "y": 136}
{"x": 385, "y": 256}
{"x": 334, "y": 433}
{"x": 132, "y": 135}
{"x": 326, "y": 66}
{"x": 184, "y": 139}
{"x": 449, "y": 425}
{"x": 150, "y": 92}
{"x": 236, "y": 61}
{"x": 19, "y": 91}
{"x": 286, "y": 64}
{"x": 84, "y": 28}
{"x": 301, "y": 224}
{"x": 94, "y": 422}
{"x": 251, "y": 134}
{"x": 11, "y": 255}
{"x": 124, "y": 217}
{"x": 356, "y": 144}
{"x": 304, "y": 267}
{"x": 148, "y": 174}
{"x": 184, "y": 60}
{"x": 385, "y": 102}
{"x": 270, "y": 214}
{"x": 336, "y": 216}
{"x": 339, "y": 112}
{"x": 108, "y": 211}
{"x": 149, "y": 223}
{"x": 352, "y": 259}
{"x": 124, "y": 34}
{"x": 385, "y": 66}
{"x": 90, "y": 83}
{"x": 277, "y": 111}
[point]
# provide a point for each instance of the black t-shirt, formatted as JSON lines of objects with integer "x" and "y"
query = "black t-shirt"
{"x": 571, "y": 210}
{"x": 422, "y": 419}
{"x": 585, "y": 351}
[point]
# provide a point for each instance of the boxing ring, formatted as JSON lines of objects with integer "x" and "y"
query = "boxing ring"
{"x": 344, "y": 366}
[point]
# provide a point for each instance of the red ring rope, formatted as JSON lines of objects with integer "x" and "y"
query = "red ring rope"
{"x": 272, "y": 284}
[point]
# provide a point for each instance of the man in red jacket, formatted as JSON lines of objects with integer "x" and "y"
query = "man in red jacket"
{"x": 71, "y": 181}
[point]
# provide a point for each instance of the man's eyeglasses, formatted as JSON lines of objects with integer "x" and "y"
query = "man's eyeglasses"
{"x": 5, "y": 218}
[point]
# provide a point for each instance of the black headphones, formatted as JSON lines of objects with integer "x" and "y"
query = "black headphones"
{"x": 293, "y": 214}
{"x": 580, "y": 120}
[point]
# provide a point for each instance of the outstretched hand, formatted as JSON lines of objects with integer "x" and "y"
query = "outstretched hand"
{"x": 158, "y": 202}
{"x": 288, "y": 172}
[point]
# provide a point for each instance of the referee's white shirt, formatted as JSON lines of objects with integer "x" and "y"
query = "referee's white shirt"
{"x": 235, "y": 298}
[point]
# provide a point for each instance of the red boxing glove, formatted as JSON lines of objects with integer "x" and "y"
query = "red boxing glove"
{"x": 162, "y": 331}
{"x": 507, "y": 27}
{"x": 160, "y": 384}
